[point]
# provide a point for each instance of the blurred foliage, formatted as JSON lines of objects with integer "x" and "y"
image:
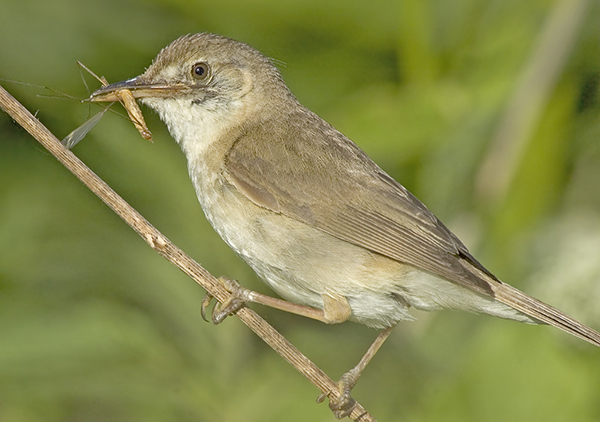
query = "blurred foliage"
{"x": 95, "y": 326}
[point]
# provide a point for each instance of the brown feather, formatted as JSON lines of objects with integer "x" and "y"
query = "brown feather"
{"x": 376, "y": 213}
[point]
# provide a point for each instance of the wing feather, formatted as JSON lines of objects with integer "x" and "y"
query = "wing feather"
{"x": 316, "y": 175}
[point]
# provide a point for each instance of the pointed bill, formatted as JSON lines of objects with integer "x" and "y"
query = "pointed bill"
{"x": 126, "y": 98}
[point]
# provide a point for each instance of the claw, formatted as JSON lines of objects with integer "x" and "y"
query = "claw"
{"x": 343, "y": 405}
{"x": 233, "y": 304}
{"x": 229, "y": 307}
{"x": 205, "y": 304}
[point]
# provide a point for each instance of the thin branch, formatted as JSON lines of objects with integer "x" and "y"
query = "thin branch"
{"x": 167, "y": 249}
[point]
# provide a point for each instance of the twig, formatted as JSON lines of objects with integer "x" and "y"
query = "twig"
{"x": 167, "y": 249}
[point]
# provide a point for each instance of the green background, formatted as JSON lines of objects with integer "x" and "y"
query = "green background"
{"x": 94, "y": 326}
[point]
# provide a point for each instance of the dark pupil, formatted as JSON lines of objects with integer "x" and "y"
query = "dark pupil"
{"x": 199, "y": 70}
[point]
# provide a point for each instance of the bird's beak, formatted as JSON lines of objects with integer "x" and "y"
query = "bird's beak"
{"x": 138, "y": 87}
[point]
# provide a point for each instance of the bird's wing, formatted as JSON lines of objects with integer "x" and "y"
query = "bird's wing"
{"x": 312, "y": 173}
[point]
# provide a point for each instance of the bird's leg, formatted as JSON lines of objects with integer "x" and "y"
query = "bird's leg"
{"x": 342, "y": 406}
{"x": 335, "y": 307}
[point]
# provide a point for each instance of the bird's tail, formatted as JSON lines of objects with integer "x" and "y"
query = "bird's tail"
{"x": 543, "y": 312}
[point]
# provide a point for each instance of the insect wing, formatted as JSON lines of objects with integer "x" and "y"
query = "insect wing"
{"x": 78, "y": 134}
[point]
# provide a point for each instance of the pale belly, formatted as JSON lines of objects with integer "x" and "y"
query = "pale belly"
{"x": 302, "y": 263}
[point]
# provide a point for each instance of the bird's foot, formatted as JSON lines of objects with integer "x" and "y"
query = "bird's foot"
{"x": 234, "y": 302}
{"x": 342, "y": 405}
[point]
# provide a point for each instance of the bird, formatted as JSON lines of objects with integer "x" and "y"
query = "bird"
{"x": 317, "y": 220}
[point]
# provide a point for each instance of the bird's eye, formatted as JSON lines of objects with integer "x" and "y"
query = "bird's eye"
{"x": 200, "y": 71}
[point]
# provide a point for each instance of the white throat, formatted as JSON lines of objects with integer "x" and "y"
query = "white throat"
{"x": 193, "y": 126}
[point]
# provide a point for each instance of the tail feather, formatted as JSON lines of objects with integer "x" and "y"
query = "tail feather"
{"x": 543, "y": 312}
